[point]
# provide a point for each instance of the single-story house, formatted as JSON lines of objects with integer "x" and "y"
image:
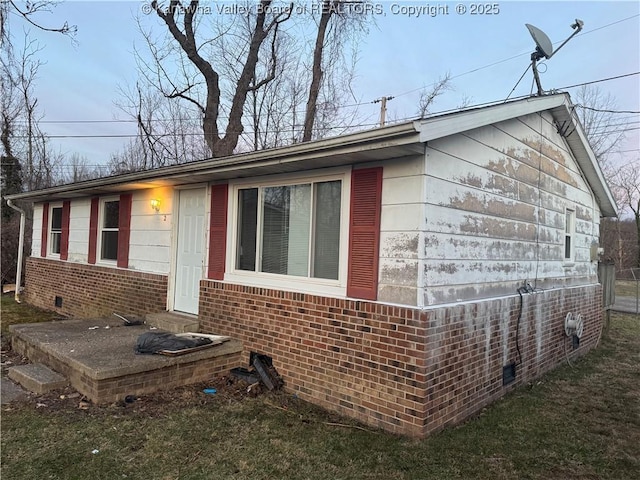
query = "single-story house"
{"x": 405, "y": 276}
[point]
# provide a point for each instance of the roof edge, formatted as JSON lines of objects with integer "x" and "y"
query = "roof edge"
{"x": 579, "y": 144}
{"x": 375, "y": 137}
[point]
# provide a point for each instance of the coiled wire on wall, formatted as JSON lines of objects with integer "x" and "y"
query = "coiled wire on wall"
{"x": 524, "y": 289}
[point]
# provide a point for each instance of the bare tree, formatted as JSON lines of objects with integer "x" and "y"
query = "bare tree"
{"x": 265, "y": 25}
{"x": 272, "y": 110}
{"x": 28, "y": 142}
{"x": 25, "y": 159}
{"x": 627, "y": 184}
{"x": 428, "y": 96}
{"x": 276, "y": 110}
{"x": 24, "y": 145}
{"x": 596, "y": 111}
{"x": 30, "y": 11}
{"x": 328, "y": 9}
{"x": 168, "y": 132}
{"x": 339, "y": 22}
{"x": 258, "y": 71}
{"x": 76, "y": 168}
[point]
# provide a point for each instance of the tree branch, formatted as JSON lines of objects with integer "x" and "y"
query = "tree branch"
{"x": 181, "y": 94}
{"x": 32, "y": 8}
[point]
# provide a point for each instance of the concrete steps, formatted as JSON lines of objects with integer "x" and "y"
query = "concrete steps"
{"x": 174, "y": 322}
{"x": 37, "y": 378}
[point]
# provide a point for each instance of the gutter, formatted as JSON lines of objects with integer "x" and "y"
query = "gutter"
{"x": 20, "y": 249}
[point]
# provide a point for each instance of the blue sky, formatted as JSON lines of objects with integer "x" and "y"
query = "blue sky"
{"x": 485, "y": 54}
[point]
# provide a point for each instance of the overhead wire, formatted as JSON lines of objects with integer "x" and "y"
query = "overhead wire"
{"x": 604, "y": 110}
{"x": 400, "y": 94}
{"x": 516, "y": 56}
{"x": 356, "y": 125}
{"x": 364, "y": 125}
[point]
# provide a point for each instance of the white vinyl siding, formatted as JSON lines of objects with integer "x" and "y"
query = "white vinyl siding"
{"x": 497, "y": 198}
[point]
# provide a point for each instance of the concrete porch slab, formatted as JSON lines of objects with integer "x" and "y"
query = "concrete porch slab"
{"x": 98, "y": 358}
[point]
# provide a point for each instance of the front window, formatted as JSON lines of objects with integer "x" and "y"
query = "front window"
{"x": 569, "y": 229}
{"x": 109, "y": 231}
{"x": 56, "y": 229}
{"x": 290, "y": 229}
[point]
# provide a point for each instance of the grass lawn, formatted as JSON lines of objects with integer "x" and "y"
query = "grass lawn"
{"x": 13, "y": 313}
{"x": 581, "y": 421}
{"x": 626, "y": 288}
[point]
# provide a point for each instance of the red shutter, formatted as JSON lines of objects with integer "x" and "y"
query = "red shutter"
{"x": 364, "y": 233}
{"x": 124, "y": 230}
{"x": 45, "y": 230}
{"x": 93, "y": 230}
{"x": 64, "y": 236}
{"x": 218, "y": 231}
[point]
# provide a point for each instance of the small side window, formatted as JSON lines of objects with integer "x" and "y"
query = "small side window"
{"x": 56, "y": 230}
{"x": 569, "y": 234}
{"x": 109, "y": 230}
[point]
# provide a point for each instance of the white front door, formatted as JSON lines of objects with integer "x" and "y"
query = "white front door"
{"x": 190, "y": 254}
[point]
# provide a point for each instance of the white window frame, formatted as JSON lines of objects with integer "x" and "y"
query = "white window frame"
{"x": 50, "y": 251}
{"x": 101, "y": 215}
{"x": 569, "y": 233}
{"x": 312, "y": 285}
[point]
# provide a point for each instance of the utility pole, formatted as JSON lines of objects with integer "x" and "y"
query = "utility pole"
{"x": 383, "y": 108}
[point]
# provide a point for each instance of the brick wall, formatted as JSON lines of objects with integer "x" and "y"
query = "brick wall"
{"x": 469, "y": 344}
{"x": 92, "y": 291}
{"x": 401, "y": 369}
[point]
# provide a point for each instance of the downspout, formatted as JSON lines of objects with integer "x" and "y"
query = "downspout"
{"x": 20, "y": 249}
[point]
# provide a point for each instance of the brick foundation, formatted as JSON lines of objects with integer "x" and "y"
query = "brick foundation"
{"x": 405, "y": 370}
{"x": 93, "y": 291}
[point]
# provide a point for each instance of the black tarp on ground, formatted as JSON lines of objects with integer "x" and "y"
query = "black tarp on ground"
{"x": 155, "y": 342}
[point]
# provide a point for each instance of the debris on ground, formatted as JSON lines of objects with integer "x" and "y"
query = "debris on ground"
{"x": 239, "y": 384}
{"x": 249, "y": 376}
{"x": 157, "y": 342}
{"x": 267, "y": 372}
{"x": 130, "y": 320}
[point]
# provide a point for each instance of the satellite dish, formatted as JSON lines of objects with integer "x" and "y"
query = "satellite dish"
{"x": 545, "y": 46}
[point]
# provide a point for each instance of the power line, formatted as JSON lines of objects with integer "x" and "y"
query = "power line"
{"x": 608, "y": 25}
{"x": 622, "y": 130}
{"x": 598, "y": 81}
{"x": 516, "y": 56}
{"x": 374, "y": 101}
{"x": 605, "y": 110}
{"x": 366, "y": 124}
{"x": 191, "y": 134}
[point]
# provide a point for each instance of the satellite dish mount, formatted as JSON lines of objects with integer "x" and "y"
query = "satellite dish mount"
{"x": 544, "y": 48}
